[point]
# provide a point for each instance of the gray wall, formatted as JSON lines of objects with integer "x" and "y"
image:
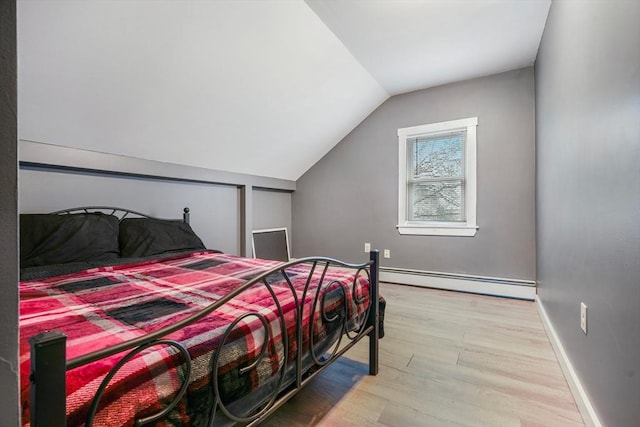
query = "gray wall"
{"x": 55, "y": 177}
{"x": 215, "y": 209}
{"x": 215, "y": 215}
{"x": 271, "y": 209}
{"x": 588, "y": 195}
{"x": 351, "y": 195}
{"x": 9, "y": 414}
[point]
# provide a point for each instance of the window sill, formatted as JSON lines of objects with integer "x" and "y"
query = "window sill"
{"x": 438, "y": 230}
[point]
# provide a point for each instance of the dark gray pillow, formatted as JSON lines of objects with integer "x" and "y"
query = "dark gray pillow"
{"x": 57, "y": 239}
{"x": 146, "y": 236}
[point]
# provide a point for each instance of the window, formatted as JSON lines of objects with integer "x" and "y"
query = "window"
{"x": 437, "y": 180}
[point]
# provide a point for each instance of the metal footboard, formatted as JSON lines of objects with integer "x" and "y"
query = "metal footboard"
{"x": 49, "y": 364}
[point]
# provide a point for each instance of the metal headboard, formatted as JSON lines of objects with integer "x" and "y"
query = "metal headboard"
{"x": 121, "y": 213}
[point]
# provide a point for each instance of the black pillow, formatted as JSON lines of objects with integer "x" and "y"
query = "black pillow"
{"x": 141, "y": 237}
{"x": 57, "y": 239}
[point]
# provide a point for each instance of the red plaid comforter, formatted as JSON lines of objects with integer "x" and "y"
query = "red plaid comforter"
{"x": 104, "y": 306}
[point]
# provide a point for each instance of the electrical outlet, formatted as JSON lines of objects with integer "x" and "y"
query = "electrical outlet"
{"x": 583, "y": 317}
{"x": 387, "y": 253}
{"x": 367, "y": 247}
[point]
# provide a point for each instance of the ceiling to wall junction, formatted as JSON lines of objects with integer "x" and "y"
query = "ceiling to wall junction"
{"x": 258, "y": 87}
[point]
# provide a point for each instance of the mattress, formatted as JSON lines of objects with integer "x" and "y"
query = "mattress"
{"x": 107, "y": 305}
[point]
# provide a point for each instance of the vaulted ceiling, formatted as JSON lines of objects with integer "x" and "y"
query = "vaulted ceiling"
{"x": 264, "y": 87}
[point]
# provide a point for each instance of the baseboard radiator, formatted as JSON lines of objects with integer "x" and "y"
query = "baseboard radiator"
{"x": 511, "y": 288}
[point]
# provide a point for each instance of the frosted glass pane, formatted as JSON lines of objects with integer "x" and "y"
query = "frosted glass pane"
{"x": 436, "y": 201}
{"x": 437, "y": 157}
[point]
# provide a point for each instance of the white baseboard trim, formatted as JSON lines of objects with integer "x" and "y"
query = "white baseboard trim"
{"x": 512, "y": 288}
{"x": 589, "y": 415}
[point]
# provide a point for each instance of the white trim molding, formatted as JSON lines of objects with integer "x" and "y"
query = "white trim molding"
{"x": 469, "y": 226}
{"x": 437, "y": 230}
{"x": 589, "y": 415}
{"x": 511, "y": 288}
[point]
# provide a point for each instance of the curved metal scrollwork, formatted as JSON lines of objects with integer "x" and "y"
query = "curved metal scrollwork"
{"x": 217, "y": 403}
{"x": 341, "y": 306}
{"x": 155, "y": 417}
{"x": 359, "y": 299}
{"x": 340, "y": 314}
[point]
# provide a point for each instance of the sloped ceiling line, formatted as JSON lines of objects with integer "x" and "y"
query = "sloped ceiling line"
{"x": 255, "y": 87}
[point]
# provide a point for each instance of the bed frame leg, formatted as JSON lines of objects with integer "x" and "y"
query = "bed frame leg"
{"x": 48, "y": 380}
{"x": 374, "y": 314}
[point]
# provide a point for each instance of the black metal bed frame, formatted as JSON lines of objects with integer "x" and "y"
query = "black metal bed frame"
{"x": 121, "y": 213}
{"x": 49, "y": 364}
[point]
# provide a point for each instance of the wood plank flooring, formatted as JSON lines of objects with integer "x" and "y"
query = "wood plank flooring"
{"x": 448, "y": 359}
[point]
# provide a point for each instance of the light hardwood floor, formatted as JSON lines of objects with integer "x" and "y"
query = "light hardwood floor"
{"x": 448, "y": 359}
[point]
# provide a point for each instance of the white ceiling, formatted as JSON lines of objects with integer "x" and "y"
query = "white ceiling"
{"x": 265, "y": 87}
{"x": 411, "y": 44}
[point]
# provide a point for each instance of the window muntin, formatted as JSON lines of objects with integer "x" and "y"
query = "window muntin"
{"x": 435, "y": 181}
{"x": 437, "y": 188}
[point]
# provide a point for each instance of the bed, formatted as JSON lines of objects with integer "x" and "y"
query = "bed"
{"x": 127, "y": 319}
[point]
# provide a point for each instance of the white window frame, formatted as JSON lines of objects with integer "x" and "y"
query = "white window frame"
{"x": 431, "y": 228}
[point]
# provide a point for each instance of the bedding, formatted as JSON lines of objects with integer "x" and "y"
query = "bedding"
{"x": 106, "y": 305}
{"x": 45, "y": 271}
{"x": 55, "y": 239}
{"x": 150, "y": 236}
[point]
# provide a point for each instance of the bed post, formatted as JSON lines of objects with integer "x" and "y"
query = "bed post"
{"x": 48, "y": 380}
{"x": 374, "y": 314}
{"x": 185, "y": 215}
